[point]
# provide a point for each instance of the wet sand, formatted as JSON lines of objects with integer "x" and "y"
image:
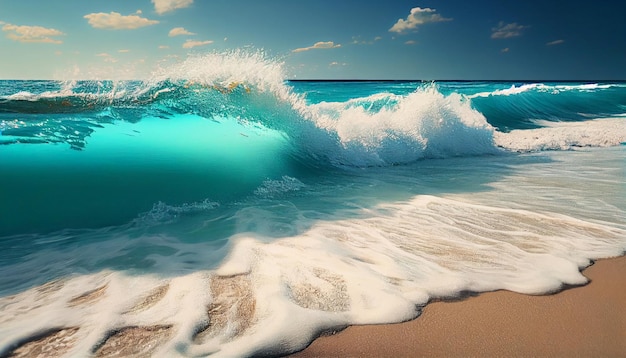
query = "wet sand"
{"x": 584, "y": 321}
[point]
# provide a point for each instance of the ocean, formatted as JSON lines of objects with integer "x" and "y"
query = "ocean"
{"x": 219, "y": 208}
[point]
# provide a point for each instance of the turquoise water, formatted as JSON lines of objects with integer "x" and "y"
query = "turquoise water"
{"x": 336, "y": 203}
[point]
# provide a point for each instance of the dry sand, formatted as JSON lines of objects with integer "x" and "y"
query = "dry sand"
{"x": 586, "y": 321}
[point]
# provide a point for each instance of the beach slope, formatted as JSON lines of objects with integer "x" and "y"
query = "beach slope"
{"x": 582, "y": 321}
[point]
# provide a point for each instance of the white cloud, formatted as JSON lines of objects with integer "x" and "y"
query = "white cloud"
{"x": 505, "y": 50}
{"x": 179, "y": 31}
{"x": 318, "y": 45}
{"x": 163, "y": 47}
{"x": 418, "y": 16}
{"x": 410, "y": 42}
{"x": 31, "y": 33}
{"x": 193, "y": 43}
{"x": 123, "y": 51}
{"x": 163, "y": 6}
{"x": 117, "y": 21}
{"x": 555, "y": 42}
{"x": 505, "y": 31}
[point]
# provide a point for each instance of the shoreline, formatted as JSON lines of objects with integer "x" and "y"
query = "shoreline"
{"x": 588, "y": 320}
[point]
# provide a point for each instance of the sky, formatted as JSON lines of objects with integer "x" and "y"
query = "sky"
{"x": 319, "y": 39}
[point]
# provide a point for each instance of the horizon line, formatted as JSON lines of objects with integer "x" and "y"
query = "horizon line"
{"x": 453, "y": 80}
{"x": 359, "y": 80}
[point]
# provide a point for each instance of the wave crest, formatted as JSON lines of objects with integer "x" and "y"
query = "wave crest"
{"x": 249, "y": 88}
{"x": 388, "y": 129}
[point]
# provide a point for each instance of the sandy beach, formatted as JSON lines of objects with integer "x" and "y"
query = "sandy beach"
{"x": 585, "y": 321}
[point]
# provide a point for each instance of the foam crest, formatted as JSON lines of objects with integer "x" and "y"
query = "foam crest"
{"x": 509, "y": 91}
{"x": 227, "y": 71}
{"x": 540, "y": 87}
{"x": 387, "y": 129}
{"x": 75, "y": 91}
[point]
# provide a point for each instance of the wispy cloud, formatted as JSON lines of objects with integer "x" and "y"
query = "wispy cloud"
{"x": 318, "y": 45}
{"x": 179, "y": 31}
{"x": 117, "y": 21}
{"x": 505, "y": 31}
{"x": 410, "y": 42}
{"x": 417, "y": 17}
{"x": 107, "y": 58}
{"x": 163, "y": 47}
{"x": 357, "y": 40}
{"x": 336, "y": 64}
{"x": 505, "y": 50}
{"x": 555, "y": 42}
{"x": 31, "y": 33}
{"x": 193, "y": 43}
{"x": 163, "y": 6}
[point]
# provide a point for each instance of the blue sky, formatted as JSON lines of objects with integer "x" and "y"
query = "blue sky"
{"x": 331, "y": 39}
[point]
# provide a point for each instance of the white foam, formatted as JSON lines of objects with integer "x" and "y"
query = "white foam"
{"x": 378, "y": 268}
{"x": 423, "y": 124}
{"x": 565, "y": 135}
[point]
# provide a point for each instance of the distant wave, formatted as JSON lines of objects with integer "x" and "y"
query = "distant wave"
{"x": 540, "y": 87}
{"x": 518, "y": 107}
